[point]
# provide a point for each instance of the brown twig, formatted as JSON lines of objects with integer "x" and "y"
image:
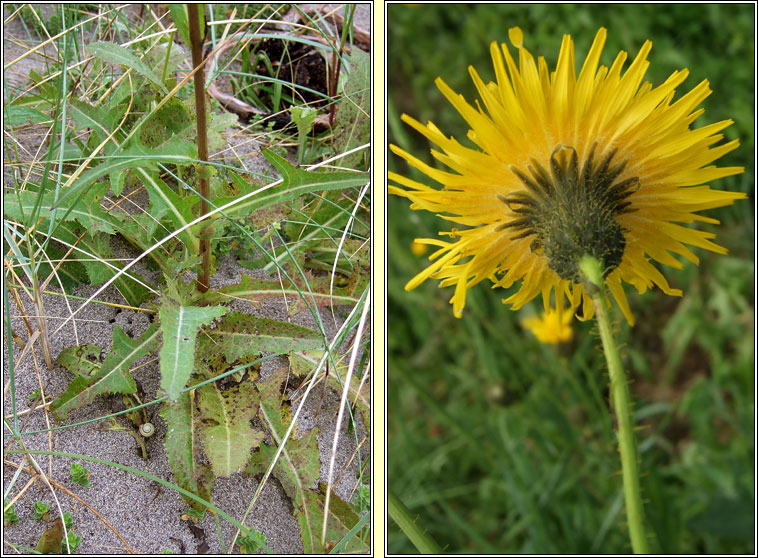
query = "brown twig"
{"x": 361, "y": 37}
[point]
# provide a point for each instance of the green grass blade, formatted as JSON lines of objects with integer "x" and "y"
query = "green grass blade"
{"x": 135, "y": 155}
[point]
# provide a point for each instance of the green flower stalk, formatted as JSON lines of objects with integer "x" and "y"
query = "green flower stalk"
{"x": 592, "y": 271}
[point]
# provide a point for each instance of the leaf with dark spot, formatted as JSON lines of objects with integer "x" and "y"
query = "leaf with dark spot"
{"x": 82, "y": 360}
{"x": 182, "y": 443}
{"x": 230, "y": 437}
{"x": 241, "y": 335}
{"x": 112, "y": 377}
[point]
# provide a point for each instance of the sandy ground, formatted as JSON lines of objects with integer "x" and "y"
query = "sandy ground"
{"x": 149, "y": 517}
{"x": 145, "y": 515}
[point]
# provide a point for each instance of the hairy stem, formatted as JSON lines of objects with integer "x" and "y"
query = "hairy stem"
{"x": 592, "y": 271}
{"x": 402, "y": 516}
{"x": 202, "y": 137}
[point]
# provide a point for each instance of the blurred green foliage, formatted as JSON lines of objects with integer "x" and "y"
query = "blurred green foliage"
{"x": 499, "y": 444}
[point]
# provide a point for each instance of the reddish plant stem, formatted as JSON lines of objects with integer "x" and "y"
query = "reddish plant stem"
{"x": 334, "y": 81}
{"x": 202, "y": 138}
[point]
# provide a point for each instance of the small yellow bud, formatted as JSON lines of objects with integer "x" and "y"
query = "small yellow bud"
{"x": 550, "y": 328}
{"x": 418, "y": 248}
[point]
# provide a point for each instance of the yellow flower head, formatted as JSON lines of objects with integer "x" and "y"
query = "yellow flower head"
{"x": 551, "y": 327}
{"x": 565, "y": 165}
{"x": 418, "y": 248}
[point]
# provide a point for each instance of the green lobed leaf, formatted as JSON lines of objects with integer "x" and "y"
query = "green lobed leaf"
{"x": 88, "y": 116}
{"x": 298, "y": 470}
{"x": 15, "y": 116}
{"x": 258, "y": 290}
{"x": 70, "y": 273}
{"x": 228, "y": 441}
{"x": 182, "y": 444}
{"x": 19, "y": 206}
{"x": 217, "y": 124}
{"x": 131, "y": 156}
{"x": 326, "y": 215}
{"x": 172, "y": 119}
{"x": 296, "y": 182}
{"x": 85, "y": 210}
{"x": 209, "y": 362}
{"x": 82, "y": 360}
{"x": 179, "y": 325}
{"x": 164, "y": 202}
{"x": 98, "y": 272}
{"x": 276, "y": 417}
{"x": 253, "y": 290}
{"x": 239, "y": 335}
{"x": 298, "y": 467}
{"x": 113, "y": 376}
{"x": 112, "y": 53}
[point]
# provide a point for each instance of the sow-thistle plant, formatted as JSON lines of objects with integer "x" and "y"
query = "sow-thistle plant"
{"x": 575, "y": 185}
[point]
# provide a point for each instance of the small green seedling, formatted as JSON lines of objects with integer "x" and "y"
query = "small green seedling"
{"x": 34, "y": 395}
{"x": 250, "y": 545}
{"x": 73, "y": 538}
{"x": 73, "y": 542}
{"x": 9, "y": 514}
{"x": 41, "y": 509}
{"x": 79, "y": 474}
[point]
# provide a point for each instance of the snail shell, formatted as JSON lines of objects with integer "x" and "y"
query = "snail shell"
{"x": 147, "y": 429}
